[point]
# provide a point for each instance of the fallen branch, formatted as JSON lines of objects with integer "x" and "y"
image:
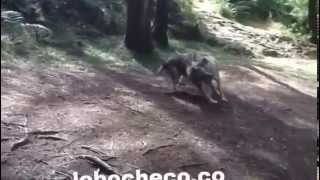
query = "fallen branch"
{"x": 55, "y": 138}
{"x": 40, "y": 132}
{"x": 43, "y": 161}
{"x": 109, "y": 169}
{"x": 134, "y": 110}
{"x": 20, "y": 143}
{"x": 12, "y": 124}
{"x": 65, "y": 174}
{"x": 24, "y": 140}
{"x": 192, "y": 165}
{"x": 102, "y": 155}
{"x": 5, "y": 138}
{"x": 156, "y": 148}
{"x": 90, "y": 148}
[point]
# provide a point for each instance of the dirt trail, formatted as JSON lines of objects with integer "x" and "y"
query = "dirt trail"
{"x": 246, "y": 39}
{"x": 132, "y": 118}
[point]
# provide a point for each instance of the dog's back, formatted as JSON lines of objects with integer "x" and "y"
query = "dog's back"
{"x": 177, "y": 64}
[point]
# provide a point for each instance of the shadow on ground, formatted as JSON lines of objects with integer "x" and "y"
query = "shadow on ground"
{"x": 243, "y": 140}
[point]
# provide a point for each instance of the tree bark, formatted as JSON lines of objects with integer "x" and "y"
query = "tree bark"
{"x": 313, "y": 20}
{"x": 138, "y": 35}
{"x": 161, "y": 23}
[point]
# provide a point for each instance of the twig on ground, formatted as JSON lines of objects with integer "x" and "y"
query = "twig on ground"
{"x": 134, "y": 110}
{"x": 55, "y": 138}
{"x": 24, "y": 140}
{"x": 20, "y": 143}
{"x": 156, "y": 148}
{"x": 65, "y": 174}
{"x": 109, "y": 169}
{"x": 103, "y": 155}
{"x": 5, "y": 138}
{"x": 43, "y": 161}
{"x": 67, "y": 145}
{"x": 192, "y": 165}
{"x": 12, "y": 124}
{"x": 40, "y": 132}
{"x": 90, "y": 148}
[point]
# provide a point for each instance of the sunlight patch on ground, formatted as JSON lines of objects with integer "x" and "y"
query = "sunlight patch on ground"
{"x": 116, "y": 58}
{"x": 298, "y": 73}
{"x": 136, "y": 103}
{"x": 306, "y": 68}
{"x": 271, "y": 157}
{"x": 15, "y": 99}
{"x": 300, "y": 122}
{"x": 54, "y": 54}
{"x": 205, "y": 5}
{"x": 103, "y": 55}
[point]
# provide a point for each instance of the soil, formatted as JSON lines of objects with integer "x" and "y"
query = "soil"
{"x": 267, "y": 131}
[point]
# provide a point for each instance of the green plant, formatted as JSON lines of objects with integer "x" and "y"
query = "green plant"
{"x": 185, "y": 8}
{"x": 227, "y": 10}
{"x": 291, "y": 13}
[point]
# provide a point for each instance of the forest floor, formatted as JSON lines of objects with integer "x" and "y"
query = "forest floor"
{"x": 100, "y": 99}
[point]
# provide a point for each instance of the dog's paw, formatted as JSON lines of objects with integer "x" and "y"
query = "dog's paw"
{"x": 213, "y": 101}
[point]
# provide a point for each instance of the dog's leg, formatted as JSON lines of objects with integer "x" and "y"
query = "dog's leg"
{"x": 207, "y": 92}
{"x": 221, "y": 94}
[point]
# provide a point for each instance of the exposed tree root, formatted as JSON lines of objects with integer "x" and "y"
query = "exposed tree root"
{"x": 108, "y": 169}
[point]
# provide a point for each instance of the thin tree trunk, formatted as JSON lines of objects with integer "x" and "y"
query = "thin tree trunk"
{"x": 313, "y": 22}
{"x": 161, "y": 23}
{"x": 138, "y": 34}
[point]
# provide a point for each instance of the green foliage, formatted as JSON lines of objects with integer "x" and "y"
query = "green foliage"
{"x": 185, "y": 8}
{"x": 17, "y": 37}
{"x": 300, "y": 13}
{"x": 291, "y": 13}
{"x": 227, "y": 9}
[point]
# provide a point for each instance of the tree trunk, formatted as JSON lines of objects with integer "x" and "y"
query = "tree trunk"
{"x": 161, "y": 23}
{"x": 313, "y": 22}
{"x": 138, "y": 35}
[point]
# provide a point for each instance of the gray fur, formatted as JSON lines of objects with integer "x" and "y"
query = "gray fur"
{"x": 204, "y": 74}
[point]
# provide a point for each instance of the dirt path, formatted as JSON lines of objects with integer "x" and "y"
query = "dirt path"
{"x": 268, "y": 132}
{"x": 246, "y": 39}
